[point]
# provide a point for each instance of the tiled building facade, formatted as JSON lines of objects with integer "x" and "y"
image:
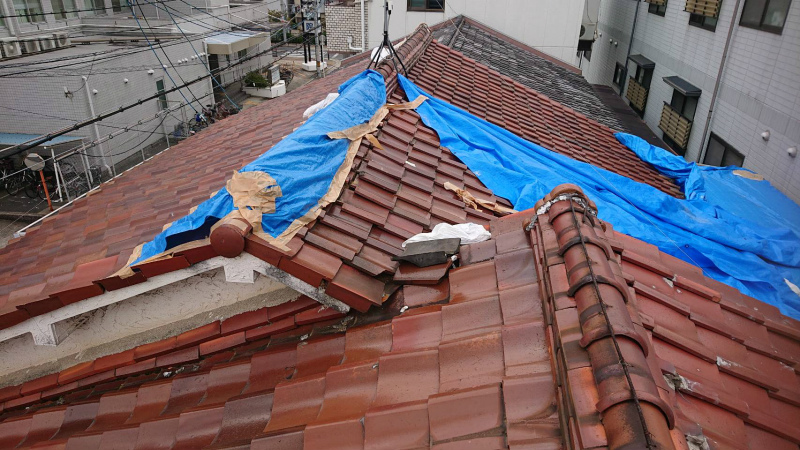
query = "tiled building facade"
{"x": 759, "y": 90}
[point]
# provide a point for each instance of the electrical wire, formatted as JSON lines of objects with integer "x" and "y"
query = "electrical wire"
{"x": 100, "y": 117}
{"x": 200, "y": 36}
{"x": 213, "y": 78}
{"x": 166, "y": 72}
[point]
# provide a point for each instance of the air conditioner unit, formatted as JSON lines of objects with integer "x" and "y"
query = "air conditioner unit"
{"x": 588, "y": 31}
{"x": 591, "y": 11}
{"x": 30, "y": 46}
{"x": 61, "y": 39}
{"x": 47, "y": 43}
{"x": 9, "y": 48}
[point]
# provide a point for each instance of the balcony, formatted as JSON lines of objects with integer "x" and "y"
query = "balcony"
{"x": 657, "y": 2}
{"x": 675, "y": 126}
{"x": 637, "y": 94}
{"x": 708, "y": 8}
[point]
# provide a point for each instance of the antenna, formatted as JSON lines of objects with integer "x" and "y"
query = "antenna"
{"x": 386, "y": 44}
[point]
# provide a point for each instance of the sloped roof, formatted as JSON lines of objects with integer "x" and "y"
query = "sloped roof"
{"x": 556, "y": 79}
{"x": 506, "y": 351}
{"x": 72, "y": 255}
{"x": 500, "y": 352}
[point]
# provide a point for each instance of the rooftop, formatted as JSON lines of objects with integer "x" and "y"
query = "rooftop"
{"x": 558, "y": 332}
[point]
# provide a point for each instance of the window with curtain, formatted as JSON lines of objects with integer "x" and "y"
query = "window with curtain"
{"x": 62, "y": 8}
{"x": 767, "y": 15}
{"x": 29, "y": 11}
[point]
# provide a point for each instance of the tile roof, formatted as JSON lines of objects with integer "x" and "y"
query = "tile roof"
{"x": 510, "y": 349}
{"x": 392, "y": 193}
{"x": 556, "y": 79}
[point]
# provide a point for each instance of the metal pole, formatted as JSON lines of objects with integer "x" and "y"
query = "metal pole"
{"x": 718, "y": 82}
{"x": 57, "y": 171}
{"x": 630, "y": 47}
{"x": 317, "y": 45}
{"x": 66, "y": 191}
{"x": 96, "y": 128}
{"x": 46, "y": 194}
{"x": 363, "y": 35}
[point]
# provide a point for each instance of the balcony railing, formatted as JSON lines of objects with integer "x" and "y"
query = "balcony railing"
{"x": 675, "y": 126}
{"x": 637, "y": 94}
{"x": 708, "y": 8}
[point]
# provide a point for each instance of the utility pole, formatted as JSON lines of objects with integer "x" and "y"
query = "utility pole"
{"x": 318, "y": 44}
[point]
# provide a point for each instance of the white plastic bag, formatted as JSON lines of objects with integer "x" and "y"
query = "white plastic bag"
{"x": 317, "y": 107}
{"x": 470, "y": 233}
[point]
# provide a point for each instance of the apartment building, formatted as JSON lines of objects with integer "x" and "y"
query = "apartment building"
{"x": 557, "y": 28}
{"x": 719, "y": 80}
{"x": 63, "y": 61}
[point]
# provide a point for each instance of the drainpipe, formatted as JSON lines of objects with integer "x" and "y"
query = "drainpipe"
{"x": 728, "y": 40}
{"x": 363, "y": 37}
{"x": 96, "y": 128}
{"x": 630, "y": 47}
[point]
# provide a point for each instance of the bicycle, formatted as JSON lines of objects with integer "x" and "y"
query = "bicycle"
{"x": 13, "y": 178}
{"x": 35, "y": 189}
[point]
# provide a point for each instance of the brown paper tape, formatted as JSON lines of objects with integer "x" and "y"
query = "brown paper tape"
{"x": 473, "y": 201}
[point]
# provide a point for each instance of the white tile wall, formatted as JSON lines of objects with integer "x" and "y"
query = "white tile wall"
{"x": 760, "y": 87}
{"x": 44, "y": 96}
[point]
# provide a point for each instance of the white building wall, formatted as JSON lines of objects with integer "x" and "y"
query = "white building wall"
{"x": 48, "y": 105}
{"x": 760, "y": 87}
{"x": 549, "y": 26}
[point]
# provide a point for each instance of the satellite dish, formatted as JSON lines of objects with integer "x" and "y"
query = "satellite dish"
{"x": 34, "y": 162}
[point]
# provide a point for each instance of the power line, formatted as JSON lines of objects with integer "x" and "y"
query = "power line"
{"x": 48, "y": 137}
{"x": 166, "y": 72}
{"x": 199, "y": 36}
{"x": 213, "y": 78}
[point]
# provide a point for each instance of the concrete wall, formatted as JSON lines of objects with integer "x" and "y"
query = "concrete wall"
{"x": 760, "y": 88}
{"x": 547, "y": 25}
{"x": 344, "y": 22}
{"x": 145, "y": 318}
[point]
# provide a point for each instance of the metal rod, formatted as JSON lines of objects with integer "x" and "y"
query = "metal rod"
{"x": 728, "y": 40}
{"x": 46, "y": 193}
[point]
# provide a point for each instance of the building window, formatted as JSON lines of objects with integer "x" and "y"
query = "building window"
{"x": 116, "y": 6}
{"x": 619, "y": 75}
{"x": 63, "y": 9}
{"x": 767, "y": 15}
{"x": 588, "y": 55}
{"x": 29, "y": 11}
{"x": 162, "y": 96}
{"x": 704, "y": 22}
{"x": 94, "y": 7}
{"x": 720, "y": 153}
{"x": 659, "y": 10}
{"x": 426, "y": 5}
{"x": 241, "y": 54}
{"x": 685, "y": 106}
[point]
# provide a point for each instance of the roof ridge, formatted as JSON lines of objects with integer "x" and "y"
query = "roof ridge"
{"x": 633, "y": 413}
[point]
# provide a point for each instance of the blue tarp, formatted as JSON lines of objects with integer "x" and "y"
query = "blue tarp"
{"x": 303, "y": 164}
{"x": 741, "y": 232}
